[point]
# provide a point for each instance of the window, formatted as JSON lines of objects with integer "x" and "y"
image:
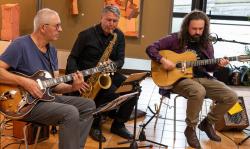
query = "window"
{"x": 228, "y": 7}
{"x": 233, "y": 35}
{"x": 182, "y": 6}
{"x": 230, "y": 20}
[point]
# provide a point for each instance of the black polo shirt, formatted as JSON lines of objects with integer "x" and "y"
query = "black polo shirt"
{"x": 89, "y": 47}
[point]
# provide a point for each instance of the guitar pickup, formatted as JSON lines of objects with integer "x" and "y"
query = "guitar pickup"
{"x": 8, "y": 95}
{"x": 178, "y": 65}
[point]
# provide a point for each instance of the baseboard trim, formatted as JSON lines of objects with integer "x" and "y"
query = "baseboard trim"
{"x": 130, "y": 71}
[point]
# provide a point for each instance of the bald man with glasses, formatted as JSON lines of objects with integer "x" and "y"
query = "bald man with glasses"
{"x": 30, "y": 53}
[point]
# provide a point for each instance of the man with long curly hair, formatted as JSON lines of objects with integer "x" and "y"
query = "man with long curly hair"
{"x": 193, "y": 35}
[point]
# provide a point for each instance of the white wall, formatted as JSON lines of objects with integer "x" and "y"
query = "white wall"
{"x": 130, "y": 63}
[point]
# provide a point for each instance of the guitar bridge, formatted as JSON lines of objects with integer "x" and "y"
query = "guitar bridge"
{"x": 8, "y": 95}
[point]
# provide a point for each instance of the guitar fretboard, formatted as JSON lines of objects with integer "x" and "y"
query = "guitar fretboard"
{"x": 203, "y": 62}
{"x": 66, "y": 78}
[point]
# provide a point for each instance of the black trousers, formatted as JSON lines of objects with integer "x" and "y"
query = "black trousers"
{"x": 122, "y": 114}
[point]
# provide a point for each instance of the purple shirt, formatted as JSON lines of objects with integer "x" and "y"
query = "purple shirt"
{"x": 171, "y": 42}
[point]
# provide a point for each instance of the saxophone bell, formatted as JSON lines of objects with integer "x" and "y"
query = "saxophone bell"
{"x": 104, "y": 81}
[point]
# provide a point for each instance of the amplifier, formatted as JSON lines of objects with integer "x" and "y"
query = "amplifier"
{"x": 237, "y": 121}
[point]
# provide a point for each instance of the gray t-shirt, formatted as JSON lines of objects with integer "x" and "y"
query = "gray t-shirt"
{"x": 22, "y": 55}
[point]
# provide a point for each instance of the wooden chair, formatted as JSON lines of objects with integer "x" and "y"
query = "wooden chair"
{"x": 22, "y": 132}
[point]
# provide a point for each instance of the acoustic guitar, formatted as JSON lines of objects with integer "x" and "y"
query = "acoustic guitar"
{"x": 16, "y": 102}
{"x": 184, "y": 63}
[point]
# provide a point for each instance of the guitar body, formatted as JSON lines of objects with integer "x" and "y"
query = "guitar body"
{"x": 9, "y": 103}
{"x": 15, "y": 102}
{"x": 164, "y": 78}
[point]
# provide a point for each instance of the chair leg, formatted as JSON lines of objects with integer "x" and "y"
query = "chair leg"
{"x": 175, "y": 116}
{"x": 177, "y": 96}
{"x": 37, "y": 136}
{"x": 25, "y": 135}
{"x": 157, "y": 110}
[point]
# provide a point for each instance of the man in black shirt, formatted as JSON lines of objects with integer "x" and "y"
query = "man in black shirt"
{"x": 86, "y": 53}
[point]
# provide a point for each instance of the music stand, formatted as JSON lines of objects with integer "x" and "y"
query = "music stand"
{"x": 110, "y": 106}
{"x": 132, "y": 84}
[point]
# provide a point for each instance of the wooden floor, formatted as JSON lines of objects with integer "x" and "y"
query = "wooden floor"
{"x": 163, "y": 132}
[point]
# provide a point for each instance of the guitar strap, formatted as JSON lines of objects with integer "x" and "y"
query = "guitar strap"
{"x": 48, "y": 58}
{"x": 50, "y": 64}
{"x": 200, "y": 70}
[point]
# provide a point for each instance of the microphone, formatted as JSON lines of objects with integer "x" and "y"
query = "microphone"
{"x": 212, "y": 38}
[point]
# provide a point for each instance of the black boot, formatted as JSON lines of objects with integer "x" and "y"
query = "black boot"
{"x": 209, "y": 130}
{"x": 95, "y": 134}
{"x": 95, "y": 131}
{"x": 120, "y": 129}
{"x": 191, "y": 137}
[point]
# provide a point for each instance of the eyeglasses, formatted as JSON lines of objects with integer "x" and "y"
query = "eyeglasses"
{"x": 57, "y": 26}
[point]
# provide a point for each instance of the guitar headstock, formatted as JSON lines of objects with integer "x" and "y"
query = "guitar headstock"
{"x": 108, "y": 67}
{"x": 243, "y": 58}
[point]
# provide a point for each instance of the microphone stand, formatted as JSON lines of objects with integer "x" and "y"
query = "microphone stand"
{"x": 233, "y": 41}
{"x": 216, "y": 38}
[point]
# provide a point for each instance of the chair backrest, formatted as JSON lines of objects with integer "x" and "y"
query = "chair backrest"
{"x": 3, "y": 46}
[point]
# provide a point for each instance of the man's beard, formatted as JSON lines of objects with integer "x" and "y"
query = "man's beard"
{"x": 195, "y": 38}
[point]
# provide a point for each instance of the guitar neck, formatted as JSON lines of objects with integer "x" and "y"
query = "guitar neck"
{"x": 66, "y": 78}
{"x": 208, "y": 61}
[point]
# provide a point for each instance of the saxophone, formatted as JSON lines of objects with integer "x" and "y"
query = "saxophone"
{"x": 99, "y": 80}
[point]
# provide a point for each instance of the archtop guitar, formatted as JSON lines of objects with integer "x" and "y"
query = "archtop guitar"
{"x": 16, "y": 102}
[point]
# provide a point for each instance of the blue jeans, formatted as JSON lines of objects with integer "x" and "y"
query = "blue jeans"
{"x": 72, "y": 114}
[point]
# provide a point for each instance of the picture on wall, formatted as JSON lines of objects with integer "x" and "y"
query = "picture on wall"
{"x": 131, "y": 12}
